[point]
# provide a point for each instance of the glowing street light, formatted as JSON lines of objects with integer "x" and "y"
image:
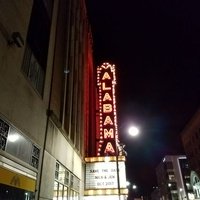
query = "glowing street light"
{"x": 133, "y": 131}
{"x": 134, "y": 187}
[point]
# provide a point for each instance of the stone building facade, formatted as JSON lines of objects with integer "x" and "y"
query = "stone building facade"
{"x": 46, "y": 78}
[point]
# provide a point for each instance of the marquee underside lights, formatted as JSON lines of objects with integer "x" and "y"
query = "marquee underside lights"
{"x": 103, "y": 159}
{"x": 108, "y": 135}
{"x": 94, "y": 193}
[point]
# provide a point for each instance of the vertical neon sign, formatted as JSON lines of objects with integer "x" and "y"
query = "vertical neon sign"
{"x": 108, "y": 133}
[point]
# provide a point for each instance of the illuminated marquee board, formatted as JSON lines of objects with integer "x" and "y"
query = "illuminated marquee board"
{"x": 103, "y": 175}
{"x": 108, "y": 134}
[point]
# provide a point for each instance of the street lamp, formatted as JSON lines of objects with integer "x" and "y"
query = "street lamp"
{"x": 117, "y": 167}
{"x": 134, "y": 187}
{"x": 129, "y": 185}
{"x": 133, "y": 131}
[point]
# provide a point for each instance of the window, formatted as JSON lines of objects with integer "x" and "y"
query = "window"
{"x": 57, "y": 171}
{"x": 172, "y": 185}
{"x": 67, "y": 175}
{"x": 75, "y": 183}
{"x": 169, "y": 165}
{"x": 35, "y": 56}
{"x": 55, "y": 194}
{"x": 4, "y": 128}
{"x": 64, "y": 182}
{"x": 14, "y": 143}
{"x": 35, "y": 156}
{"x": 74, "y": 195}
{"x": 174, "y": 196}
{"x": 171, "y": 176}
{"x": 14, "y": 193}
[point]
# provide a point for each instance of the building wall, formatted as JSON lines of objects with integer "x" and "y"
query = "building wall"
{"x": 22, "y": 109}
{"x": 17, "y": 96}
{"x": 51, "y": 119}
{"x": 191, "y": 142}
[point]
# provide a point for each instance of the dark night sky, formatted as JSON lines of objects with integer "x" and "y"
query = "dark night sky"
{"x": 155, "y": 45}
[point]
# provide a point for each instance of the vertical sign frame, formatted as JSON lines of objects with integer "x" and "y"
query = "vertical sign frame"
{"x": 107, "y": 140}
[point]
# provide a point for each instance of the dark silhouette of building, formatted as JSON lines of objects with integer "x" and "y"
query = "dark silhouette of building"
{"x": 191, "y": 142}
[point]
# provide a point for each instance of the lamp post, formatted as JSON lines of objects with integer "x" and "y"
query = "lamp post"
{"x": 119, "y": 152}
{"x": 133, "y": 131}
{"x": 117, "y": 167}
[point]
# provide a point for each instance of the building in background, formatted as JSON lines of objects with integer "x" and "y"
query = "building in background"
{"x": 155, "y": 194}
{"x": 173, "y": 177}
{"x": 191, "y": 142}
{"x": 46, "y": 84}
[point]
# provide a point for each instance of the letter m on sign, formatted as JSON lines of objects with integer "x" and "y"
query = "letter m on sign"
{"x": 108, "y": 133}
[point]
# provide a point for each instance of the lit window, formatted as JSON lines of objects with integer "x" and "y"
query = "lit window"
{"x": 65, "y": 181}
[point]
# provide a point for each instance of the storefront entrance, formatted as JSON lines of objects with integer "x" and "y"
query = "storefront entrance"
{"x": 16, "y": 186}
{"x": 12, "y": 193}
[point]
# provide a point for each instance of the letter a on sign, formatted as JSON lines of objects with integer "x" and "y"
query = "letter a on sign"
{"x": 108, "y": 121}
{"x": 109, "y": 148}
{"x": 106, "y": 76}
{"x": 107, "y": 97}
